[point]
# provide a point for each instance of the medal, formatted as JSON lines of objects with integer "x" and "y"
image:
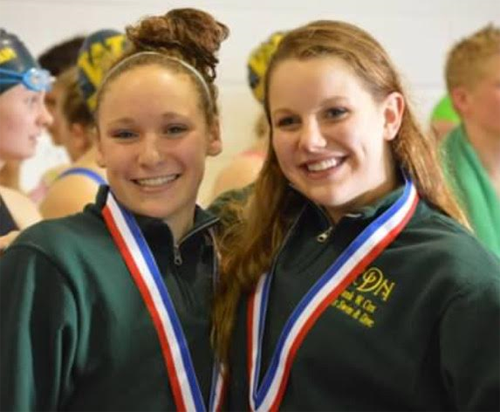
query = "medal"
{"x": 146, "y": 275}
{"x": 354, "y": 259}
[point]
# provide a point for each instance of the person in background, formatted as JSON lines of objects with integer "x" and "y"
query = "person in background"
{"x": 23, "y": 116}
{"x": 471, "y": 152}
{"x": 54, "y": 60}
{"x": 245, "y": 167}
{"x": 348, "y": 282}
{"x": 57, "y": 59}
{"x": 109, "y": 309}
{"x": 444, "y": 118}
{"x": 77, "y": 104}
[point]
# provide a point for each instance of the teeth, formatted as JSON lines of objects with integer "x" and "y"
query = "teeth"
{"x": 323, "y": 165}
{"x": 156, "y": 181}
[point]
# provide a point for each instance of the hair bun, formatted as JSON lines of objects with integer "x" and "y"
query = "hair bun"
{"x": 189, "y": 34}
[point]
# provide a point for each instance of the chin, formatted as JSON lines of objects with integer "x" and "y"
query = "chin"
{"x": 155, "y": 213}
{"x": 23, "y": 156}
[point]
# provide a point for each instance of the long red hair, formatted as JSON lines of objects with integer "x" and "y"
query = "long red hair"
{"x": 251, "y": 242}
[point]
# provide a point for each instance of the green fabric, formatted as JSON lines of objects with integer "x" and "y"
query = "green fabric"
{"x": 75, "y": 332}
{"x": 414, "y": 332}
{"x": 444, "y": 111}
{"x": 473, "y": 187}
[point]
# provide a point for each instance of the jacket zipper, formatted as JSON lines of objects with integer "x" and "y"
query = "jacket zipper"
{"x": 177, "y": 256}
{"x": 176, "y": 249}
{"x": 323, "y": 236}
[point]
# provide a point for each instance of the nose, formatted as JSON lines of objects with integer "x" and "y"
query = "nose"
{"x": 311, "y": 136}
{"x": 150, "y": 151}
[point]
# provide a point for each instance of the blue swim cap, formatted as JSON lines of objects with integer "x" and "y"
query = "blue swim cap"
{"x": 96, "y": 56}
{"x": 17, "y": 65}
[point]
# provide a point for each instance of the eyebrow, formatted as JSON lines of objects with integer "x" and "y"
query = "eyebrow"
{"x": 131, "y": 120}
{"x": 325, "y": 102}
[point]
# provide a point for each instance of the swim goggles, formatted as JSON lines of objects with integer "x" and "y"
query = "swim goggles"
{"x": 34, "y": 79}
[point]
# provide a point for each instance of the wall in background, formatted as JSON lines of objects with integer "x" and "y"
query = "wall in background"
{"x": 417, "y": 34}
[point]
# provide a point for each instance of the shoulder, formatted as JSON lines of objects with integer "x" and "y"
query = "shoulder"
{"x": 22, "y": 209}
{"x": 231, "y": 197}
{"x": 67, "y": 196}
{"x": 50, "y": 175}
{"x": 61, "y": 233}
{"x": 457, "y": 253}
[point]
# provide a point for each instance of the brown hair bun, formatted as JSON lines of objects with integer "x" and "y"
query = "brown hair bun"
{"x": 189, "y": 34}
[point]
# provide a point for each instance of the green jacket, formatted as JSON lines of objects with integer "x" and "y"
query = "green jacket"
{"x": 418, "y": 330}
{"x": 75, "y": 333}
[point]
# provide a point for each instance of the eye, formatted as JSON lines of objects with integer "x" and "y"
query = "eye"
{"x": 287, "y": 122}
{"x": 123, "y": 134}
{"x": 31, "y": 100}
{"x": 175, "y": 130}
{"x": 335, "y": 112}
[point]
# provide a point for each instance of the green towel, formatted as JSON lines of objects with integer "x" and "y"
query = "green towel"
{"x": 473, "y": 187}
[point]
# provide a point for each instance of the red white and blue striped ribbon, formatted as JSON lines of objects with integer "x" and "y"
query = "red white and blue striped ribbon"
{"x": 144, "y": 270}
{"x": 354, "y": 259}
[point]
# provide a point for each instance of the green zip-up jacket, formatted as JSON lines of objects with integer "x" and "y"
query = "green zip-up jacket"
{"x": 417, "y": 330}
{"x": 75, "y": 332}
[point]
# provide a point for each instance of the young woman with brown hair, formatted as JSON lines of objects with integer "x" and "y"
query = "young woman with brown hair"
{"x": 348, "y": 282}
{"x": 109, "y": 309}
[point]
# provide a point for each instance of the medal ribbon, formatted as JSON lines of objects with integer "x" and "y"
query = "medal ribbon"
{"x": 146, "y": 275}
{"x": 354, "y": 259}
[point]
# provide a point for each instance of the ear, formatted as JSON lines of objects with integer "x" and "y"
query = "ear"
{"x": 460, "y": 98}
{"x": 394, "y": 107}
{"x": 214, "y": 145}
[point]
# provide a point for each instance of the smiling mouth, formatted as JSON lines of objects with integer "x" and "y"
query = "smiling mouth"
{"x": 326, "y": 164}
{"x": 156, "y": 181}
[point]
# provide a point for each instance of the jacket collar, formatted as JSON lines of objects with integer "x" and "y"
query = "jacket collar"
{"x": 203, "y": 219}
{"x": 365, "y": 213}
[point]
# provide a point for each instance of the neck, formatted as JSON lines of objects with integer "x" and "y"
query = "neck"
{"x": 180, "y": 224}
{"x": 367, "y": 198}
{"x": 487, "y": 147}
{"x": 89, "y": 159}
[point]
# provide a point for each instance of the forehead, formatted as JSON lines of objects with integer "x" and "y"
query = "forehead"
{"x": 483, "y": 72}
{"x": 151, "y": 88}
{"x": 162, "y": 75}
{"x": 153, "y": 80}
{"x": 492, "y": 66}
{"x": 19, "y": 91}
{"x": 311, "y": 79}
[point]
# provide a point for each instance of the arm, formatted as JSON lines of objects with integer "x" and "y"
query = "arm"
{"x": 38, "y": 340}
{"x": 23, "y": 210}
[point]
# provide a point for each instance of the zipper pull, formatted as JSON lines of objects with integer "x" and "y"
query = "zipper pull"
{"x": 322, "y": 237}
{"x": 177, "y": 256}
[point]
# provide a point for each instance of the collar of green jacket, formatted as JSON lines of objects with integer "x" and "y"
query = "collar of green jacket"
{"x": 367, "y": 212}
{"x": 203, "y": 219}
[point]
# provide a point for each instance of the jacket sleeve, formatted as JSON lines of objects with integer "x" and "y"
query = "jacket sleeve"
{"x": 470, "y": 346}
{"x": 38, "y": 319}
